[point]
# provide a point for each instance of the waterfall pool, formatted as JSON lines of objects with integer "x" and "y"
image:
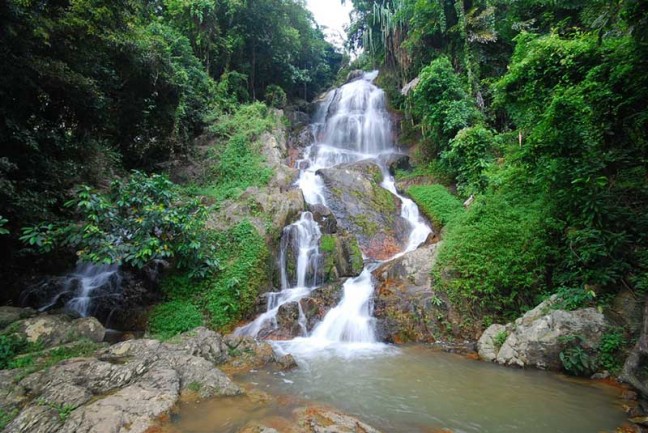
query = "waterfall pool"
{"x": 415, "y": 389}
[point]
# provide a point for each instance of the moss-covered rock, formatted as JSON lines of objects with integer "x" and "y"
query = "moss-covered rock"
{"x": 340, "y": 256}
{"x": 363, "y": 207}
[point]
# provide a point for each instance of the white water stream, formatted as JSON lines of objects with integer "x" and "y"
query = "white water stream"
{"x": 351, "y": 124}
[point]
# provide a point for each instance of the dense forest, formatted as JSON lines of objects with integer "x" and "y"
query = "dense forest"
{"x": 92, "y": 90}
{"x": 536, "y": 110}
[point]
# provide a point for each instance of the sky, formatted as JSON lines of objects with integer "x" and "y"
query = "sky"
{"x": 332, "y": 14}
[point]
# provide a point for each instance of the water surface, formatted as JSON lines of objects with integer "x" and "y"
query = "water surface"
{"x": 416, "y": 389}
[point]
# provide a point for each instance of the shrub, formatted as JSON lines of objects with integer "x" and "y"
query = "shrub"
{"x": 275, "y": 96}
{"x": 140, "y": 219}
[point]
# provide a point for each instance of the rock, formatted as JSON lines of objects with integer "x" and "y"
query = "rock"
{"x": 324, "y": 218}
{"x": 354, "y": 75}
{"x": 54, "y": 330}
{"x": 488, "y": 346}
{"x": 364, "y": 208}
{"x": 537, "y": 338}
{"x": 340, "y": 256}
{"x": 397, "y": 161}
{"x": 408, "y": 308}
{"x": 261, "y": 206}
{"x": 627, "y": 310}
{"x": 600, "y": 376}
{"x": 322, "y": 420}
{"x": 314, "y": 307}
{"x": 9, "y": 315}
{"x": 124, "y": 388}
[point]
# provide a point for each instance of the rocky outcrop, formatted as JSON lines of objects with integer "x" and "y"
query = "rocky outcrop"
{"x": 407, "y": 307}
{"x": 364, "y": 208}
{"x": 9, "y": 315}
{"x": 313, "y": 308}
{"x": 537, "y": 338}
{"x": 54, "y": 330}
{"x": 340, "y": 257}
{"x": 125, "y": 387}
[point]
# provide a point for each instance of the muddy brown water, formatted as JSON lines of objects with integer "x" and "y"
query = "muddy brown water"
{"x": 416, "y": 389}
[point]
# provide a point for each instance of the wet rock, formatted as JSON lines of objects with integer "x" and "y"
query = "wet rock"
{"x": 364, "y": 208}
{"x": 354, "y": 75}
{"x": 537, "y": 338}
{"x": 322, "y": 420}
{"x": 123, "y": 388}
{"x": 54, "y": 330}
{"x": 407, "y": 307}
{"x": 314, "y": 307}
{"x": 324, "y": 218}
{"x": 9, "y": 315}
{"x": 340, "y": 256}
{"x": 397, "y": 161}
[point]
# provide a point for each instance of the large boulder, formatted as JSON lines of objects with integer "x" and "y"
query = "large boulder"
{"x": 54, "y": 330}
{"x": 537, "y": 338}
{"x": 361, "y": 206}
{"x": 122, "y": 388}
{"x": 408, "y": 308}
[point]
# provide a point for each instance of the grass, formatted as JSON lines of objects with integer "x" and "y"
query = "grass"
{"x": 436, "y": 203}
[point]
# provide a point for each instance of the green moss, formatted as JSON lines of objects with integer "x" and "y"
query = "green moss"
{"x": 385, "y": 201}
{"x": 436, "y": 202}
{"x": 327, "y": 243}
{"x": 369, "y": 228}
{"x": 356, "y": 256}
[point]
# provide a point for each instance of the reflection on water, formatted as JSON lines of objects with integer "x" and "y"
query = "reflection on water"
{"x": 417, "y": 390}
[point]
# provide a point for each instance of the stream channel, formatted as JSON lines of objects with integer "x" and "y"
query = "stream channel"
{"x": 342, "y": 364}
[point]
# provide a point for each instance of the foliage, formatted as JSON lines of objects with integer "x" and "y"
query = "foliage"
{"x": 10, "y": 346}
{"x": 7, "y": 416}
{"x": 610, "y": 349}
{"x": 142, "y": 218}
{"x": 275, "y": 96}
{"x": 573, "y": 298}
{"x": 222, "y": 298}
{"x": 494, "y": 258}
{"x": 174, "y": 317}
{"x": 327, "y": 243}
{"x": 442, "y": 104}
{"x": 239, "y": 163}
{"x": 436, "y": 203}
{"x": 500, "y": 338}
{"x": 577, "y": 359}
{"x": 468, "y": 156}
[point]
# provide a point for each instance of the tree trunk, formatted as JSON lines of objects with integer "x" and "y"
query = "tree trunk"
{"x": 637, "y": 356}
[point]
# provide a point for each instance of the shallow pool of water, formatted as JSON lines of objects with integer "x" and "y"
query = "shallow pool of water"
{"x": 416, "y": 389}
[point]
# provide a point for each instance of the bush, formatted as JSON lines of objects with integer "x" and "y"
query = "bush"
{"x": 275, "y": 96}
{"x": 174, "y": 317}
{"x": 468, "y": 157}
{"x": 140, "y": 219}
{"x": 494, "y": 256}
{"x": 436, "y": 203}
{"x": 223, "y": 298}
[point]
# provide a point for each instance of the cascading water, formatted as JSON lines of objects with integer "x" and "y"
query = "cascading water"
{"x": 351, "y": 124}
{"x": 300, "y": 242}
{"x": 78, "y": 289}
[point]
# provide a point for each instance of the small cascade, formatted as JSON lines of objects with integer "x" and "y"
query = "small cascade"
{"x": 351, "y": 124}
{"x": 299, "y": 246}
{"x": 81, "y": 288}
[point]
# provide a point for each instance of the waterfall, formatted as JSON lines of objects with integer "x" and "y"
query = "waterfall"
{"x": 81, "y": 288}
{"x": 350, "y": 124}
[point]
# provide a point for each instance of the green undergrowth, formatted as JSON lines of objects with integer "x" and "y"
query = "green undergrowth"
{"x": 436, "y": 203}
{"x": 222, "y": 299}
{"x": 237, "y": 160}
{"x": 17, "y": 352}
{"x": 493, "y": 260}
